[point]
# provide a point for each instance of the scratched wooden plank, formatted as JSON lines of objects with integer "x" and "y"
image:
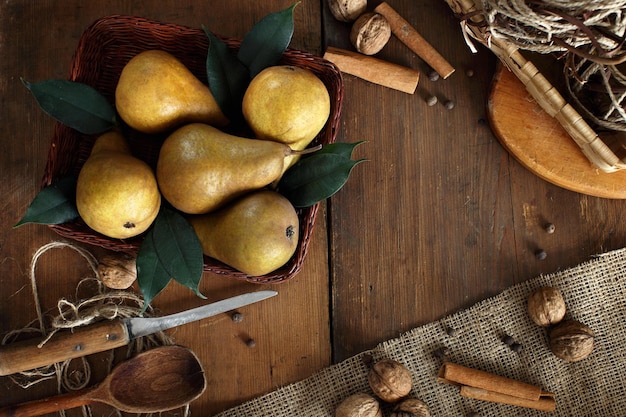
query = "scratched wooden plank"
{"x": 441, "y": 216}
{"x": 37, "y": 40}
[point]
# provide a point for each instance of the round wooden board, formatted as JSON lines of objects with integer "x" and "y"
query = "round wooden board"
{"x": 541, "y": 144}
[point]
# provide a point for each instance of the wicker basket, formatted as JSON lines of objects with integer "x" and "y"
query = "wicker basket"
{"x": 104, "y": 48}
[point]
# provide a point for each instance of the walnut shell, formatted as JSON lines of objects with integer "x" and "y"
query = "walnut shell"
{"x": 411, "y": 407}
{"x": 117, "y": 272}
{"x": 358, "y": 405}
{"x": 347, "y": 10}
{"x": 571, "y": 340}
{"x": 370, "y": 33}
{"x": 390, "y": 380}
{"x": 546, "y": 306}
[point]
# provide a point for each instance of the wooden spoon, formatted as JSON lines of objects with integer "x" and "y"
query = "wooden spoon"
{"x": 159, "y": 379}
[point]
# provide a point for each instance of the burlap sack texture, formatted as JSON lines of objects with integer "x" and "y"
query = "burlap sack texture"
{"x": 595, "y": 294}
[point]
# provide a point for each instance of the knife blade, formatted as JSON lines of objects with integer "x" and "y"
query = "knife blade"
{"x": 110, "y": 334}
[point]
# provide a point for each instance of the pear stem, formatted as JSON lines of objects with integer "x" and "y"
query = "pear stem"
{"x": 305, "y": 151}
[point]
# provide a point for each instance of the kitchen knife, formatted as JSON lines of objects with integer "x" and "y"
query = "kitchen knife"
{"x": 110, "y": 334}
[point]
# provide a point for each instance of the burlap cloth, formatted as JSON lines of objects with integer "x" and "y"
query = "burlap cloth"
{"x": 595, "y": 294}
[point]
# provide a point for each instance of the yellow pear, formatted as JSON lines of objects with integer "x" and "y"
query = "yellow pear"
{"x": 295, "y": 156}
{"x": 156, "y": 92}
{"x": 256, "y": 234}
{"x": 287, "y": 104}
{"x": 116, "y": 194}
{"x": 201, "y": 168}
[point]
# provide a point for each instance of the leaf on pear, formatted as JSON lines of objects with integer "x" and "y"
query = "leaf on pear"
{"x": 54, "y": 204}
{"x": 316, "y": 178}
{"x": 265, "y": 43}
{"x": 152, "y": 277}
{"x": 227, "y": 77}
{"x": 178, "y": 248}
{"x": 340, "y": 148}
{"x": 74, "y": 104}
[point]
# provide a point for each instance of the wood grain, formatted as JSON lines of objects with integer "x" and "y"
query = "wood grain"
{"x": 540, "y": 143}
{"x": 26, "y": 355}
{"x": 440, "y": 217}
{"x": 37, "y": 41}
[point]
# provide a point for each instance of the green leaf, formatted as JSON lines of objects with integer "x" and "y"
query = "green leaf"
{"x": 340, "y": 148}
{"x": 54, "y": 204}
{"x": 152, "y": 277}
{"x": 264, "y": 44}
{"x": 178, "y": 248}
{"x": 227, "y": 77}
{"x": 74, "y": 104}
{"x": 316, "y": 178}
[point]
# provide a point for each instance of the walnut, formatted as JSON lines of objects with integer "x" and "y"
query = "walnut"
{"x": 117, "y": 272}
{"x": 347, "y": 10}
{"x": 370, "y": 33}
{"x": 546, "y": 306}
{"x": 411, "y": 407}
{"x": 359, "y": 405}
{"x": 571, "y": 340}
{"x": 390, "y": 380}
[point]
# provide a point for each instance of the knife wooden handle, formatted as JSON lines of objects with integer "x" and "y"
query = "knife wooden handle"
{"x": 24, "y": 355}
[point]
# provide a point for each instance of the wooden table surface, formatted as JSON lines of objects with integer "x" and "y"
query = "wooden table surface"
{"x": 440, "y": 217}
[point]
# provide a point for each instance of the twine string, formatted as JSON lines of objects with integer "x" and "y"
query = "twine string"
{"x": 104, "y": 304}
{"x": 589, "y": 37}
{"x": 548, "y": 26}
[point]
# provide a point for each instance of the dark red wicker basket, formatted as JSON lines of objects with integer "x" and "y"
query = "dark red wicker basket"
{"x": 104, "y": 48}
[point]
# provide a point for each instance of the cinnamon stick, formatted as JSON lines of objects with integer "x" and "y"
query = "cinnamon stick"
{"x": 374, "y": 70}
{"x": 414, "y": 41}
{"x": 489, "y": 387}
{"x": 542, "y": 404}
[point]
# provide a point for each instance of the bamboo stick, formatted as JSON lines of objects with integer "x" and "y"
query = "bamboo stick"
{"x": 548, "y": 98}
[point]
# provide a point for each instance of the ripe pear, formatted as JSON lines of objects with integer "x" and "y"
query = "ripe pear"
{"x": 116, "y": 193}
{"x": 295, "y": 156}
{"x": 287, "y": 104}
{"x": 256, "y": 234}
{"x": 200, "y": 168}
{"x": 156, "y": 92}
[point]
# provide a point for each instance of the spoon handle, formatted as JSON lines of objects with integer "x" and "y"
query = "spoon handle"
{"x": 48, "y": 405}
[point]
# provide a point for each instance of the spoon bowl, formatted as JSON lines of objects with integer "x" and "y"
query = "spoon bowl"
{"x": 159, "y": 379}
